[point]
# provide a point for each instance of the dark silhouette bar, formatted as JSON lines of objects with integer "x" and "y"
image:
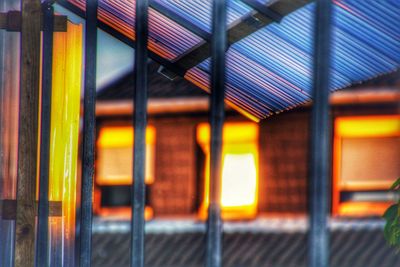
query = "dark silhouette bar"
{"x": 42, "y": 245}
{"x": 217, "y": 116}
{"x": 139, "y": 124}
{"x": 89, "y": 135}
{"x": 263, "y": 9}
{"x": 319, "y": 188}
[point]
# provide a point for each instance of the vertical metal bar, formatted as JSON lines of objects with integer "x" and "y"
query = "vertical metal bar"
{"x": 139, "y": 124}
{"x": 42, "y": 246}
{"x": 319, "y": 185}
{"x": 89, "y": 135}
{"x": 217, "y": 116}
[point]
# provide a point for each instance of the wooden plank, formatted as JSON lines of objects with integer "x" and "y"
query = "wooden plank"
{"x": 28, "y": 134}
{"x": 9, "y": 209}
{"x": 11, "y": 21}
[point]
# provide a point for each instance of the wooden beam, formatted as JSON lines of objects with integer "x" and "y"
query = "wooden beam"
{"x": 11, "y": 21}
{"x": 28, "y": 133}
{"x": 201, "y": 52}
{"x": 9, "y": 209}
{"x": 241, "y": 30}
{"x": 121, "y": 37}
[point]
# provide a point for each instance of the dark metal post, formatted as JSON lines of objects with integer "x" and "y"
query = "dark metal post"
{"x": 139, "y": 123}
{"x": 319, "y": 185}
{"x": 42, "y": 246}
{"x": 89, "y": 135}
{"x": 217, "y": 116}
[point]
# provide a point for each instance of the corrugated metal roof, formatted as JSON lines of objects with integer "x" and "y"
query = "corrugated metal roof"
{"x": 271, "y": 70}
{"x": 199, "y": 11}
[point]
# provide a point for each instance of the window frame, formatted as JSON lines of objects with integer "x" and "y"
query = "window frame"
{"x": 231, "y": 140}
{"x": 366, "y": 208}
{"x": 123, "y": 212}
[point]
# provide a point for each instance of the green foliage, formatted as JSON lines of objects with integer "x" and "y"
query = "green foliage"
{"x": 392, "y": 216}
{"x": 395, "y": 185}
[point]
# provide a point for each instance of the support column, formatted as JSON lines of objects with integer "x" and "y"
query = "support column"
{"x": 217, "y": 117}
{"x": 139, "y": 124}
{"x": 89, "y": 134}
{"x": 42, "y": 244}
{"x": 320, "y": 160}
{"x": 28, "y": 133}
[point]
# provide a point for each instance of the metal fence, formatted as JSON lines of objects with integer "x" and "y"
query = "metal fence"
{"x": 319, "y": 159}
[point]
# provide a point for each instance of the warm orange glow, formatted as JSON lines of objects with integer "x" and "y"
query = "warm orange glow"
{"x": 360, "y": 128}
{"x": 65, "y": 112}
{"x": 238, "y": 168}
{"x": 363, "y": 208}
{"x": 122, "y": 136}
{"x": 115, "y": 155}
{"x": 367, "y": 126}
{"x": 239, "y": 191}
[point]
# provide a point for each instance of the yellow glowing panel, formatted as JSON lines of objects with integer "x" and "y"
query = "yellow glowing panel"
{"x": 239, "y": 180}
{"x": 367, "y": 126}
{"x": 360, "y": 209}
{"x": 239, "y": 185}
{"x": 65, "y": 112}
{"x": 122, "y": 136}
{"x": 115, "y": 155}
{"x": 239, "y": 132}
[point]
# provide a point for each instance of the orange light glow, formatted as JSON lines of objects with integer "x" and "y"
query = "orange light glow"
{"x": 360, "y": 209}
{"x": 359, "y": 129}
{"x": 115, "y": 155}
{"x": 367, "y": 126}
{"x": 239, "y": 185}
{"x": 65, "y": 112}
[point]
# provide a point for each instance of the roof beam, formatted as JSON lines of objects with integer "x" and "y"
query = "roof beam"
{"x": 123, "y": 38}
{"x": 261, "y": 17}
{"x": 11, "y": 21}
{"x": 249, "y": 25}
{"x": 263, "y": 9}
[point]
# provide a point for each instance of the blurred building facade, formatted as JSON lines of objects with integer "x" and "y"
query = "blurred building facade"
{"x": 268, "y": 183}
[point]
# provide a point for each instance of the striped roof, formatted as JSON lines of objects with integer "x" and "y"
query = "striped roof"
{"x": 269, "y": 62}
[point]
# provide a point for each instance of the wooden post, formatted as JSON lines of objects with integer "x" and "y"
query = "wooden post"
{"x": 28, "y": 133}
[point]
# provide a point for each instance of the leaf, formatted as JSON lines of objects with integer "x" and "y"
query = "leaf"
{"x": 391, "y": 212}
{"x": 391, "y": 231}
{"x": 395, "y": 185}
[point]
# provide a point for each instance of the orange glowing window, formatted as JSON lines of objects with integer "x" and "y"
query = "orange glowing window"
{"x": 239, "y": 186}
{"x": 115, "y": 152}
{"x": 114, "y": 170}
{"x": 366, "y": 162}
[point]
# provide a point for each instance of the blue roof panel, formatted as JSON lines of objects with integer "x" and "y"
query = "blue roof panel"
{"x": 274, "y": 65}
{"x": 199, "y": 11}
{"x": 271, "y": 70}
